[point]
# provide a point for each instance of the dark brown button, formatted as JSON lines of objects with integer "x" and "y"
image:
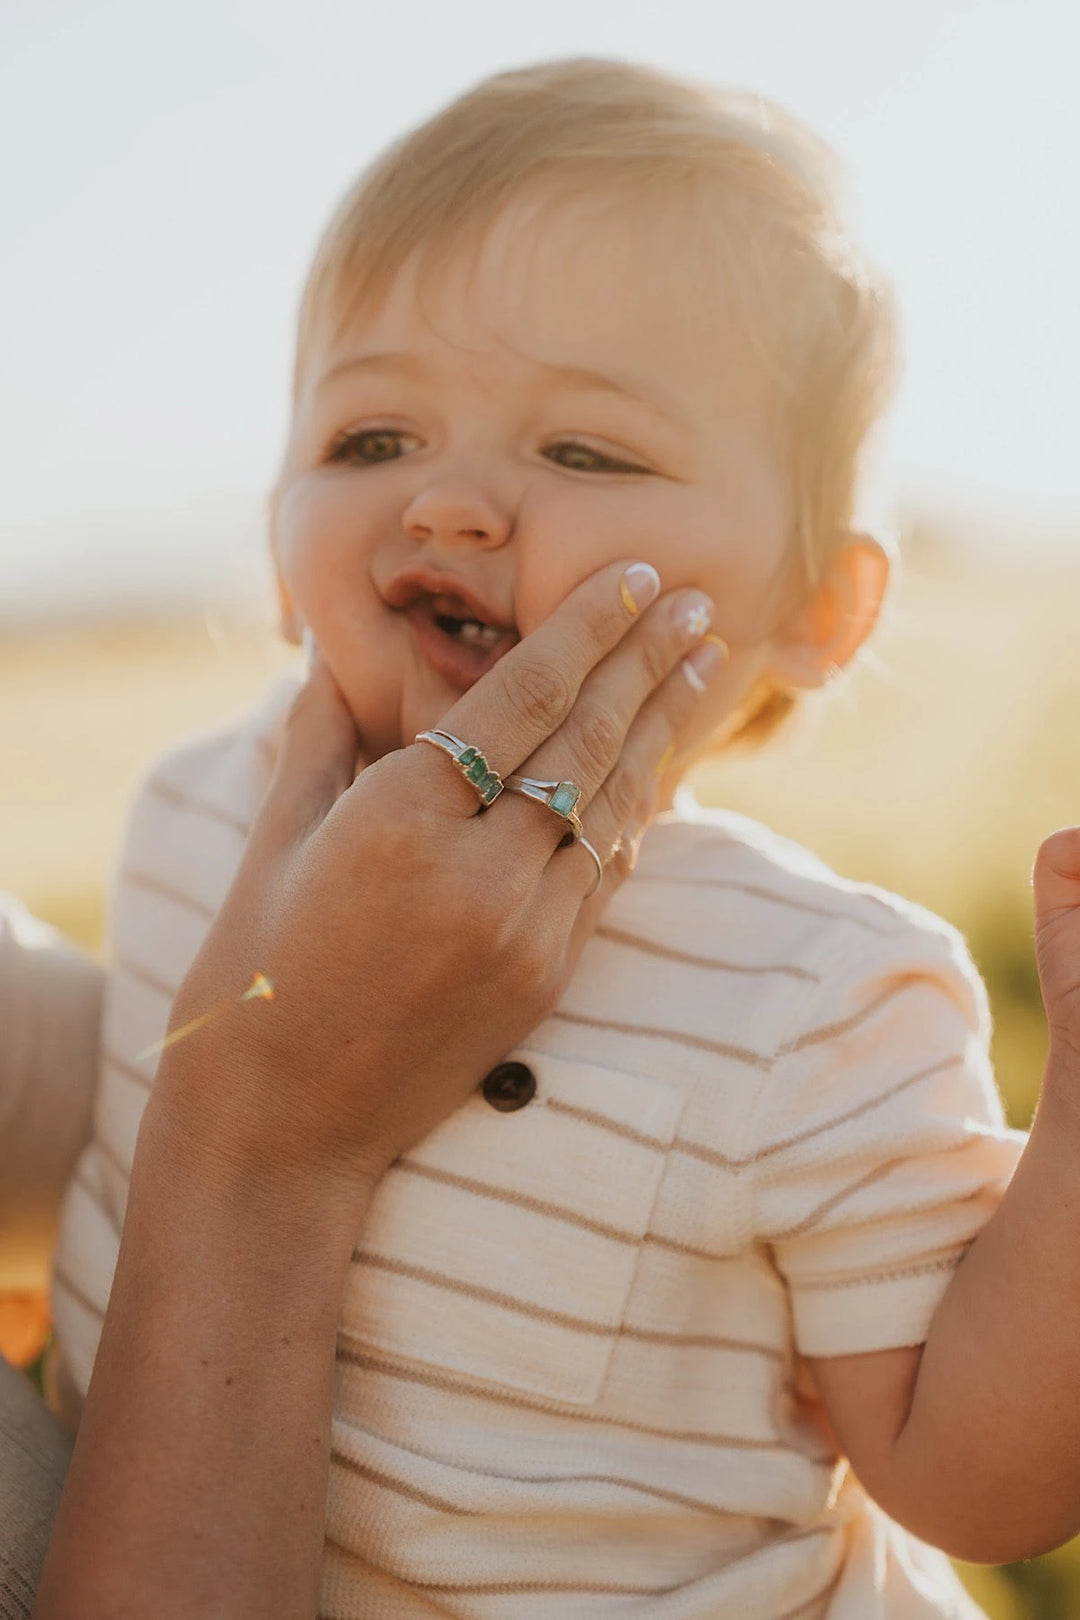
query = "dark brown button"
{"x": 510, "y": 1086}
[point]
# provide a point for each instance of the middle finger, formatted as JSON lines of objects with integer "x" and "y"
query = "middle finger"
{"x": 590, "y": 741}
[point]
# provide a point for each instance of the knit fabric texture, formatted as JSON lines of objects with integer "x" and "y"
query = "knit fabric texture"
{"x": 570, "y": 1360}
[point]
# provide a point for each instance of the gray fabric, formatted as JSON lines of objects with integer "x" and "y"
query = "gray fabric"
{"x": 34, "y": 1456}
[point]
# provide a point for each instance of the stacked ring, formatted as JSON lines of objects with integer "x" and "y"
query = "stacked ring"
{"x": 562, "y": 797}
{"x": 469, "y": 761}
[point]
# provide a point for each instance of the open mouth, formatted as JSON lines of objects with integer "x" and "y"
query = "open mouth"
{"x": 469, "y": 632}
{"x": 457, "y": 644}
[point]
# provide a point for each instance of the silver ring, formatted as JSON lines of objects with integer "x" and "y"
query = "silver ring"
{"x": 562, "y": 797}
{"x": 469, "y": 761}
{"x": 584, "y": 842}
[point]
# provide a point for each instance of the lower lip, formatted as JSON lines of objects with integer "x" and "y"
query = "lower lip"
{"x": 462, "y": 666}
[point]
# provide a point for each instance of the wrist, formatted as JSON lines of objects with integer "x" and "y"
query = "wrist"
{"x": 228, "y": 1175}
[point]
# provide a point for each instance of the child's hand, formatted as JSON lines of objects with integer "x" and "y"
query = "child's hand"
{"x": 1056, "y": 884}
{"x": 412, "y": 941}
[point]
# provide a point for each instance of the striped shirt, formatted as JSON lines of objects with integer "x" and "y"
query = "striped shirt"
{"x": 571, "y": 1375}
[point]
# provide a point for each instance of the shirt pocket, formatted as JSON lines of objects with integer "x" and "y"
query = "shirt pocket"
{"x": 504, "y": 1246}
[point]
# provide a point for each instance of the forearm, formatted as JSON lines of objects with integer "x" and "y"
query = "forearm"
{"x": 988, "y": 1460}
{"x": 198, "y": 1480}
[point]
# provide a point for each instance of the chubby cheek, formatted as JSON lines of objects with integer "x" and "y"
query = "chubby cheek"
{"x": 322, "y": 558}
{"x": 564, "y": 537}
{"x": 689, "y": 540}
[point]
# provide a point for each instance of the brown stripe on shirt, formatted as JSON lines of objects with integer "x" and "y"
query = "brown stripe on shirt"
{"x": 100, "y": 1200}
{"x": 698, "y": 1150}
{"x": 152, "y": 885}
{"x": 84, "y": 1300}
{"x": 829, "y": 1032}
{"x": 787, "y": 901}
{"x": 142, "y": 975}
{"x": 612, "y": 1588}
{"x": 680, "y": 1037}
{"x": 696, "y": 1504}
{"x": 615, "y": 1126}
{"x": 502, "y": 1396}
{"x": 105, "y": 1147}
{"x": 504, "y": 1195}
{"x": 180, "y": 800}
{"x": 653, "y": 947}
{"x": 487, "y": 1296}
{"x": 878, "y": 1173}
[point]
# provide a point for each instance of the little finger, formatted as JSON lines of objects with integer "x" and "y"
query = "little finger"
{"x": 617, "y": 807}
{"x": 586, "y": 750}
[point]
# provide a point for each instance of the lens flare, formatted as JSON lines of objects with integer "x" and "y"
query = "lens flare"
{"x": 260, "y": 989}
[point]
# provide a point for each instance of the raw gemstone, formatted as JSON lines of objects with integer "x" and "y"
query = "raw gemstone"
{"x": 565, "y": 797}
{"x": 477, "y": 770}
{"x": 490, "y": 787}
{"x": 467, "y": 756}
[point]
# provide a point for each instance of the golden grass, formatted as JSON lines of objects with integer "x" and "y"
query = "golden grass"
{"x": 936, "y": 773}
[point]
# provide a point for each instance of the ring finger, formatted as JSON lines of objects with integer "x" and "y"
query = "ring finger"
{"x": 588, "y": 750}
{"x": 650, "y": 742}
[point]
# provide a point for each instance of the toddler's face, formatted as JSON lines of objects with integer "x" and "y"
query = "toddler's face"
{"x": 572, "y": 395}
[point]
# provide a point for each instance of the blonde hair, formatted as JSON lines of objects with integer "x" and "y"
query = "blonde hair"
{"x": 819, "y": 315}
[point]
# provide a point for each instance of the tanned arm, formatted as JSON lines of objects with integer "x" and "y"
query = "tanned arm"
{"x": 198, "y": 1480}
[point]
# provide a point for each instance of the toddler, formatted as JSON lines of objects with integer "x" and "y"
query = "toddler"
{"x": 634, "y": 1331}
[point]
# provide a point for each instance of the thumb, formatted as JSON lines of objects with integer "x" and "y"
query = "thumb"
{"x": 317, "y": 760}
{"x": 1055, "y": 878}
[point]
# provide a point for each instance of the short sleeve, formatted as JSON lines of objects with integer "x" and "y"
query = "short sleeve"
{"x": 880, "y": 1147}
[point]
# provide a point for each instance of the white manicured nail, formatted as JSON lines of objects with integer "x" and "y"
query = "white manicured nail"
{"x": 703, "y": 662}
{"x": 639, "y": 586}
{"x": 698, "y": 617}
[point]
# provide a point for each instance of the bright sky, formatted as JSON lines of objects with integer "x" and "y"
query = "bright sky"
{"x": 166, "y": 171}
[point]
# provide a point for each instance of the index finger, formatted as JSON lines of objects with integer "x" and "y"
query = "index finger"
{"x": 528, "y": 694}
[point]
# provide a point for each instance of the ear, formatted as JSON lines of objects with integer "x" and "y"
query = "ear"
{"x": 826, "y": 631}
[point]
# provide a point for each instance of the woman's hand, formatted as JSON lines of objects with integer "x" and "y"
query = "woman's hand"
{"x": 411, "y": 939}
{"x": 1056, "y": 884}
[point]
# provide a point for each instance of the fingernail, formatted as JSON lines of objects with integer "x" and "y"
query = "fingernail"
{"x": 309, "y": 648}
{"x": 639, "y": 586}
{"x": 698, "y": 616}
{"x": 704, "y": 661}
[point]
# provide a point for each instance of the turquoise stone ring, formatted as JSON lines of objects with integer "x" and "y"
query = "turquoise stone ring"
{"x": 562, "y": 797}
{"x": 469, "y": 761}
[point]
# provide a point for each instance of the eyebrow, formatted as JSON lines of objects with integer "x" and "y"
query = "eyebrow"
{"x": 393, "y": 362}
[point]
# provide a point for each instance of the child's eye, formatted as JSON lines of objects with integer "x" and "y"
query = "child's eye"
{"x": 368, "y": 447}
{"x": 581, "y": 458}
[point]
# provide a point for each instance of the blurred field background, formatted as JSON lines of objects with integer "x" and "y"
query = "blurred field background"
{"x": 174, "y": 166}
{"x": 935, "y": 770}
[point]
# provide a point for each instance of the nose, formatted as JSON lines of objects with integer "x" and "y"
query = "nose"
{"x": 455, "y": 510}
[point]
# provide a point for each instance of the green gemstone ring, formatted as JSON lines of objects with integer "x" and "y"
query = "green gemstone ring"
{"x": 469, "y": 761}
{"x": 562, "y": 797}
